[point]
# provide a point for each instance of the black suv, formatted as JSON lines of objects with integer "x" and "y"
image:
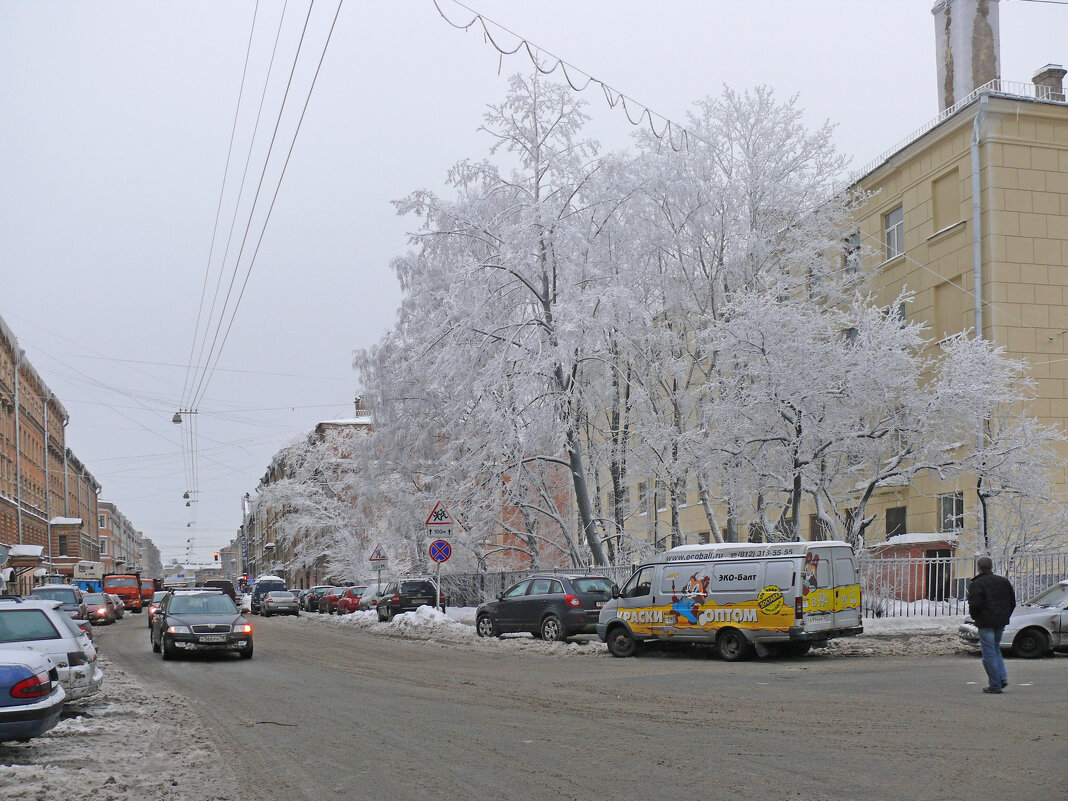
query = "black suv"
{"x": 199, "y": 620}
{"x": 407, "y": 595}
{"x": 551, "y": 606}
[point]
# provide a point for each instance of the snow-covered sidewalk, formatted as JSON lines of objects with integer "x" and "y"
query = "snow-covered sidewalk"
{"x": 882, "y": 636}
{"x": 125, "y": 742}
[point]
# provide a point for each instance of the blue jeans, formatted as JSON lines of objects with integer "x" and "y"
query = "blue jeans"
{"x": 990, "y": 643}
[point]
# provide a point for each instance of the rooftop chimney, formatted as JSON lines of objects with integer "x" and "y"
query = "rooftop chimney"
{"x": 967, "y": 47}
{"x": 1049, "y": 83}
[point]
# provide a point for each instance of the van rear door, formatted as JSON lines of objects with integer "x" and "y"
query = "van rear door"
{"x": 817, "y": 589}
{"x": 846, "y": 589}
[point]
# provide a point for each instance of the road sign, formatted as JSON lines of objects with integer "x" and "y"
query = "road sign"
{"x": 440, "y": 551}
{"x": 439, "y": 516}
{"x": 378, "y": 555}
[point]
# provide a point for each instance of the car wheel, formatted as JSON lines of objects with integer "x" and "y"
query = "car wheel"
{"x": 246, "y": 652}
{"x": 169, "y": 651}
{"x": 621, "y": 643}
{"x": 733, "y": 645}
{"x": 1031, "y": 644}
{"x": 155, "y": 645}
{"x": 552, "y": 629}
{"x": 484, "y": 626}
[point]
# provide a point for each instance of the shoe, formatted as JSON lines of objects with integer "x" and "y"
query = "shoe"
{"x": 1004, "y": 684}
{"x": 992, "y": 690}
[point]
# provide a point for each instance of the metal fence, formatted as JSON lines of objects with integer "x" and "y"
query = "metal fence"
{"x": 899, "y": 587}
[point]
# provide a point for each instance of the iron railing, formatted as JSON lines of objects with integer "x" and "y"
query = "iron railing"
{"x": 890, "y": 587}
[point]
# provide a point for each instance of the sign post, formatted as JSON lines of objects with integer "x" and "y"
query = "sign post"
{"x": 439, "y": 524}
{"x": 378, "y": 561}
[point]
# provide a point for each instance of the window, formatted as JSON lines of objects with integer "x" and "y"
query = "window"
{"x": 779, "y": 574}
{"x": 851, "y": 254}
{"x": 704, "y": 537}
{"x": 24, "y": 625}
{"x": 517, "y": 590}
{"x": 545, "y": 586}
{"x": 735, "y": 576}
{"x": 851, "y": 334}
{"x": 951, "y": 512}
{"x": 63, "y": 545}
{"x": 641, "y": 583}
{"x": 945, "y": 194}
{"x": 894, "y": 233}
{"x": 895, "y": 521}
{"x": 661, "y": 496}
{"x": 818, "y": 528}
{"x": 643, "y": 498}
{"x": 101, "y": 521}
{"x": 103, "y": 546}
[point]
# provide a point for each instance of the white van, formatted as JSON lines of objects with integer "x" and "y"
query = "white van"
{"x": 779, "y": 597}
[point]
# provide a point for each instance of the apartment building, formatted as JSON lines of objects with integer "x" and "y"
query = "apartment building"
{"x": 120, "y": 542}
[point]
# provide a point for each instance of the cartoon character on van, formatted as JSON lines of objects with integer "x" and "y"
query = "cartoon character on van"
{"x": 808, "y": 573}
{"x": 694, "y": 594}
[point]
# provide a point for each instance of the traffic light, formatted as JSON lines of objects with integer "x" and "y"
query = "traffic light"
{"x": 216, "y": 556}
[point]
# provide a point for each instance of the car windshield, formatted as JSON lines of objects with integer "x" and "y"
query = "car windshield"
{"x": 417, "y": 586}
{"x": 114, "y": 581}
{"x": 55, "y": 594}
{"x": 1054, "y": 596}
{"x": 202, "y": 605}
{"x": 23, "y": 625}
{"x": 95, "y": 598}
{"x": 592, "y": 584}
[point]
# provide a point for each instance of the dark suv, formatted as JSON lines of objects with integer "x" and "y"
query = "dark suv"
{"x": 407, "y": 595}
{"x": 199, "y": 620}
{"x": 551, "y": 606}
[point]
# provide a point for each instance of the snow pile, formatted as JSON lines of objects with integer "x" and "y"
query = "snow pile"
{"x": 98, "y": 751}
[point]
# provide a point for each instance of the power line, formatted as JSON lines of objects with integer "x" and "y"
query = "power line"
{"x": 218, "y": 208}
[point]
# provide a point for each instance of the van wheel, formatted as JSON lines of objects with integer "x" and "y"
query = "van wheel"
{"x": 552, "y": 629}
{"x": 621, "y": 643}
{"x": 1030, "y": 644}
{"x": 733, "y": 646}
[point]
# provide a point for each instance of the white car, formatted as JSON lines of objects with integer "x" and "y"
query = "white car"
{"x": 1036, "y": 628}
{"x": 371, "y": 596}
{"x": 42, "y": 626}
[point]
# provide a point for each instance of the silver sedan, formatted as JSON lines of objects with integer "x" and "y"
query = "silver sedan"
{"x": 1036, "y": 628}
{"x": 279, "y": 603}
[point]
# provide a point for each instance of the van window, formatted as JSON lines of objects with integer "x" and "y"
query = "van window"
{"x": 735, "y": 576}
{"x": 823, "y": 574}
{"x": 844, "y": 572}
{"x": 641, "y": 583}
{"x": 779, "y": 574}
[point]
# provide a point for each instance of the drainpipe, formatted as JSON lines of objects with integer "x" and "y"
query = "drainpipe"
{"x": 66, "y": 471}
{"x": 977, "y": 283}
{"x": 18, "y": 443}
{"x": 48, "y": 485}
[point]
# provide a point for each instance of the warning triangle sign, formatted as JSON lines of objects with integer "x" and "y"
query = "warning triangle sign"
{"x": 378, "y": 555}
{"x": 439, "y": 516}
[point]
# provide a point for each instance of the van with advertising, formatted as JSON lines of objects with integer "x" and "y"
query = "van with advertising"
{"x": 264, "y": 585}
{"x": 742, "y": 598}
{"x": 127, "y": 586}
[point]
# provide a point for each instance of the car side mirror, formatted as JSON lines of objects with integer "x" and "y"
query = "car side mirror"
{"x": 500, "y": 596}
{"x": 615, "y": 590}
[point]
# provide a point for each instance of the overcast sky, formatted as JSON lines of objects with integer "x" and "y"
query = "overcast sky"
{"x": 115, "y": 123}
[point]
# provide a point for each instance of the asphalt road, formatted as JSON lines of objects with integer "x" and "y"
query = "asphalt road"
{"x": 323, "y": 713}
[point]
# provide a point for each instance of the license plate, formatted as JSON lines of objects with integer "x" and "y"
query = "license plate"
{"x": 420, "y": 600}
{"x": 600, "y": 604}
{"x": 213, "y": 638}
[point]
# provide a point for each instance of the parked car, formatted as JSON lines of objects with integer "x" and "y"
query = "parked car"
{"x": 311, "y": 598}
{"x": 31, "y": 697}
{"x": 371, "y": 596}
{"x": 101, "y": 608}
{"x": 551, "y": 606}
{"x": 199, "y": 620}
{"x": 1036, "y": 628}
{"x": 328, "y": 601}
{"x": 120, "y": 607}
{"x": 42, "y": 626}
{"x": 350, "y": 599}
{"x": 279, "y": 602}
{"x": 68, "y": 595}
{"x": 153, "y": 605}
{"x": 407, "y": 595}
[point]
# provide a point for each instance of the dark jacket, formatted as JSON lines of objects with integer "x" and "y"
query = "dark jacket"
{"x": 990, "y": 600}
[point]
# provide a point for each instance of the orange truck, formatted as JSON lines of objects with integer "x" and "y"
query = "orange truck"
{"x": 127, "y": 586}
{"x": 148, "y": 589}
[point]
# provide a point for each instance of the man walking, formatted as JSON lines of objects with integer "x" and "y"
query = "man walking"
{"x": 990, "y": 603}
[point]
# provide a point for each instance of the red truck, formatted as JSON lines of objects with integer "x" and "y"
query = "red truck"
{"x": 148, "y": 589}
{"x": 127, "y": 586}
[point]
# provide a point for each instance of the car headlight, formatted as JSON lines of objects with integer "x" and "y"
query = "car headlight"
{"x": 178, "y": 629}
{"x": 242, "y": 628}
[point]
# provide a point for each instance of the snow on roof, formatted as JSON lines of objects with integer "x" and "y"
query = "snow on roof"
{"x": 364, "y": 420}
{"x": 34, "y": 551}
{"x": 270, "y": 578}
{"x": 66, "y": 521}
{"x": 917, "y": 539}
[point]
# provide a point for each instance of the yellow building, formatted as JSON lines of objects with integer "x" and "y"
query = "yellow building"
{"x": 972, "y": 205}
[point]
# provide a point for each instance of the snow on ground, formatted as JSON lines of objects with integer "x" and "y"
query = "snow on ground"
{"x": 124, "y": 742}
{"x": 907, "y": 636}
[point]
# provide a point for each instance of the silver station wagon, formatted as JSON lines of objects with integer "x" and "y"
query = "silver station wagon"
{"x": 1037, "y": 628}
